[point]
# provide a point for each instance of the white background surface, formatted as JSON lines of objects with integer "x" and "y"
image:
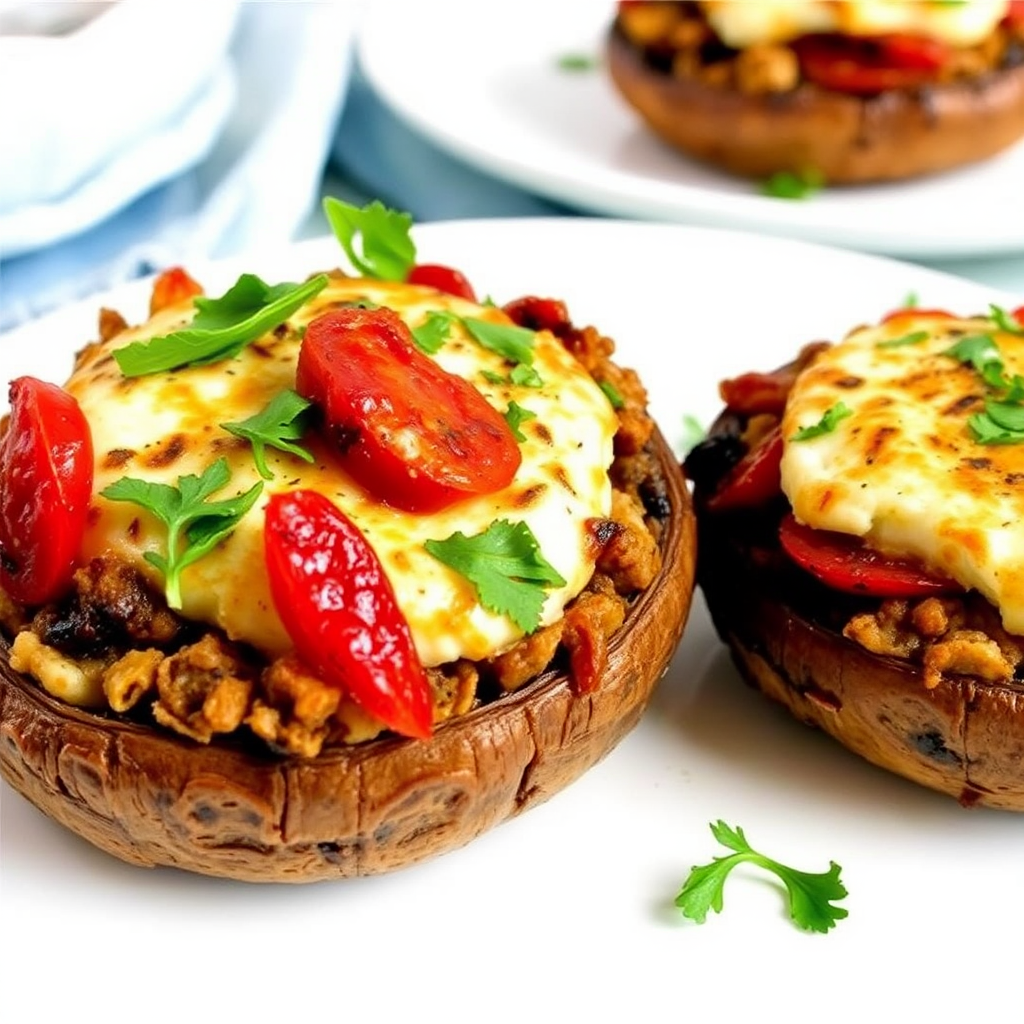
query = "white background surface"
{"x": 567, "y": 912}
{"x": 490, "y": 91}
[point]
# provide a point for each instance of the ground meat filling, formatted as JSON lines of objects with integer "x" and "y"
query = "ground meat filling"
{"x": 113, "y": 643}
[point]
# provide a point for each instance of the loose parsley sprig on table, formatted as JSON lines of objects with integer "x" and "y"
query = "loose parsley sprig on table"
{"x": 505, "y": 566}
{"x": 195, "y": 525}
{"x": 280, "y": 424}
{"x": 221, "y": 328}
{"x": 812, "y": 895}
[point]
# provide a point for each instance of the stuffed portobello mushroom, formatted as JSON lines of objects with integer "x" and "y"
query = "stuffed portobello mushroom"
{"x": 833, "y": 91}
{"x": 322, "y": 578}
{"x": 861, "y": 544}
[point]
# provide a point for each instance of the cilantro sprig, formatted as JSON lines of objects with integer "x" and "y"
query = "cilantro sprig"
{"x": 515, "y": 416}
{"x": 812, "y": 895}
{"x": 221, "y": 328}
{"x": 913, "y": 338}
{"x": 1005, "y": 320}
{"x": 195, "y": 524}
{"x": 376, "y": 239}
{"x": 830, "y": 419}
{"x": 280, "y": 424}
{"x": 506, "y": 568}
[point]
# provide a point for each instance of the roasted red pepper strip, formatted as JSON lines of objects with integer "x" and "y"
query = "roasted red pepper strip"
{"x": 846, "y": 563}
{"x": 416, "y": 436}
{"x": 340, "y": 611}
{"x": 755, "y": 479}
{"x": 537, "y": 314}
{"x": 170, "y": 287}
{"x": 871, "y": 64}
{"x": 46, "y": 471}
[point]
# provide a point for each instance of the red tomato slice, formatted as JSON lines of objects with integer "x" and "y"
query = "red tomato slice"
{"x": 46, "y": 468}
{"x": 444, "y": 279}
{"x": 1018, "y": 315}
{"x": 755, "y": 479}
{"x": 1015, "y": 15}
{"x": 867, "y": 65}
{"x": 340, "y": 611}
{"x": 416, "y": 436}
{"x": 845, "y": 563}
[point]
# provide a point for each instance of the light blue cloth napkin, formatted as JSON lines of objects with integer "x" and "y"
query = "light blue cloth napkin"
{"x": 161, "y": 133}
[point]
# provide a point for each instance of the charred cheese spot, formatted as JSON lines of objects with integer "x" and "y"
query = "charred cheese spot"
{"x": 904, "y": 470}
{"x": 742, "y": 23}
{"x": 165, "y": 426}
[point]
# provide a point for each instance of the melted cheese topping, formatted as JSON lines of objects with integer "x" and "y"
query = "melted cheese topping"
{"x": 742, "y": 23}
{"x": 904, "y": 470}
{"x": 163, "y": 426}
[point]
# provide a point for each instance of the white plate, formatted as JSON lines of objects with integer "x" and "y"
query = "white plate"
{"x": 490, "y": 91}
{"x": 566, "y": 913}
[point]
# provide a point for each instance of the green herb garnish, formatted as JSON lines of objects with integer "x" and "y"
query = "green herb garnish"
{"x": 279, "y": 425}
{"x": 913, "y": 338}
{"x": 828, "y": 422}
{"x": 195, "y": 525}
{"x": 911, "y": 301}
{"x": 693, "y": 433}
{"x": 1005, "y": 320}
{"x": 509, "y": 340}
{"x": 811, "y": 895}
{"x": 577, "y": 62}
{"x": 525, "y": 376}
{"x": 515, "y": 415}
{"x": 431, "y": 335}
{"x": 1000, "y": 423}
{"x": 221, "y": 328}
{"x": 506, "y": 568}
{"x": 385, "y": 246}
{"x": 793, "y": 185}
{"x": 981, "y": 352}
{"x": 612, "y": 393}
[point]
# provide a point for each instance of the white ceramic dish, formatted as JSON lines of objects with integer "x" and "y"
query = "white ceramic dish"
{"x": 490, "y": 91}
{"x": 567, "y": 912}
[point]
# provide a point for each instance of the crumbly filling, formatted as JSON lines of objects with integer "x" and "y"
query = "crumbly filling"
{"x": 113, "y": 643}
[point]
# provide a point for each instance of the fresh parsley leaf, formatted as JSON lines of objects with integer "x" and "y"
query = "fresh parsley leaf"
{"x": 221, "y": 328}
{"x": 494, "y": 378}
{"x": 516, "y": 415}
{"x": 913, "y": 338}
{"x": 1005, "y": 320}
{"x": 829, "y": 421}
{"x": 1000, "y": 423}
{"x": 508, "y": 340}
{"x": 981, "y": 352}
{"x": 195, "y": 525}
{"x": 505, "y": 566}
{"x": 577, "y": 62}
{"x": 611, "y": 392}
{"x": 811, "y": 895}
{"x": 280, "y": 424}
{"x": 911, "y": 300}
{"x": 431, "y": 335}
{"x": 386, "y": 249}
{"x": 525, "y": 376}
{"x": 793, "y": 185}
{"x": 693, "y": 432}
